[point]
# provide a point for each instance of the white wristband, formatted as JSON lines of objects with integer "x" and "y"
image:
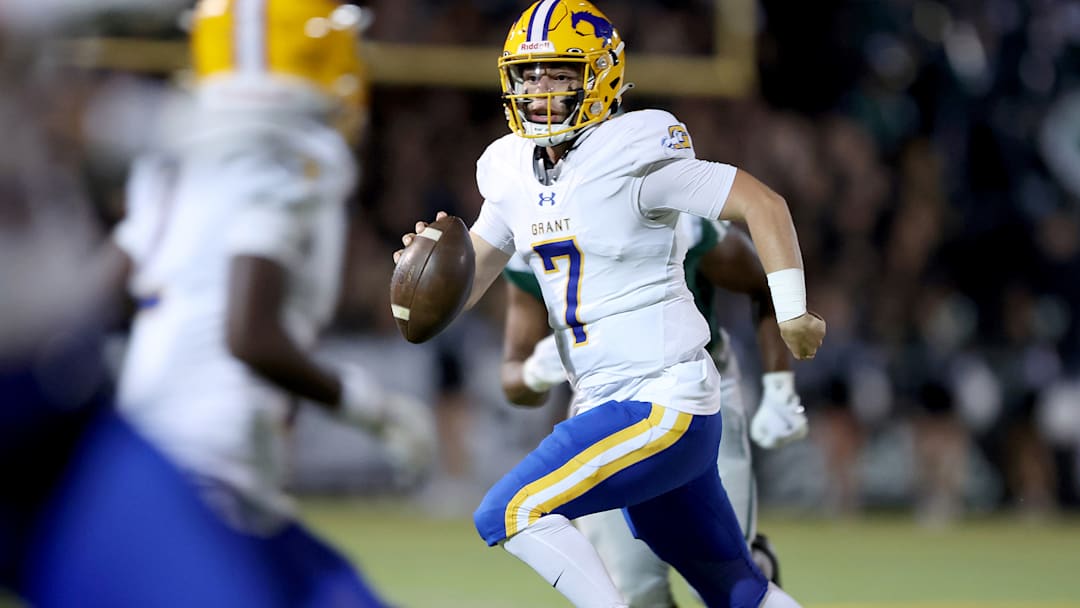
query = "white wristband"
{"x": 788, "y": 287}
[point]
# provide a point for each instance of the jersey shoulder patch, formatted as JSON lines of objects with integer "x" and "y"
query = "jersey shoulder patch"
{"x": 645, "y": 137}
{"x": 658, "y": 134}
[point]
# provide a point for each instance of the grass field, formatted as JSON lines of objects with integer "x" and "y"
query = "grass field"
{"x": 881, "y": 562}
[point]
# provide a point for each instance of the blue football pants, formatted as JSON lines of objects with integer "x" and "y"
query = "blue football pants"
{"x": 124, "y": 528}
{"x": 656, "y": 463}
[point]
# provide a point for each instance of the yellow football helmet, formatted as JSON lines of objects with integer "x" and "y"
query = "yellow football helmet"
{"x": 570, "y": 32}
{"x": 274, "y": 52}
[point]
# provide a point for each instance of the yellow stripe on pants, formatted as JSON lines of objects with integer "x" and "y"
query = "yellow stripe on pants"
{"x": 575, "y": 464}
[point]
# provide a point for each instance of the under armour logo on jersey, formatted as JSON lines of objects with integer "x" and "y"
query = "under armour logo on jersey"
{"x": 549, "y": 199}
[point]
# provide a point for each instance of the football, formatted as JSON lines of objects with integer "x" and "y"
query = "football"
{"x": 433, "y": 279}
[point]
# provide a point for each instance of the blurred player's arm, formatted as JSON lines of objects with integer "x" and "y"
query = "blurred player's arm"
{"x": 256, "y": 296}
{"x": 256, "y": 335}
{"x": 526, "y": 326}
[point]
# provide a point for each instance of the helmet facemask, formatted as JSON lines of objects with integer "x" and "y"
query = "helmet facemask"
{"x": 581, "y": 105}
{"x": 558, "y": 110}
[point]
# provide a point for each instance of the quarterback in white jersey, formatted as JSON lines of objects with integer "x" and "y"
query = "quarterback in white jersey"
{"x": 607, "y": 258}
{"x": 594, "y": 197}
{"x": 716, "y": 255}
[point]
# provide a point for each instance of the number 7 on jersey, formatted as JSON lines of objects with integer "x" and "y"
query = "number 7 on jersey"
{"x": 550, "y": 253}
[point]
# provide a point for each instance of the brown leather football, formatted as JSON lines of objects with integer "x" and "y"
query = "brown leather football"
{"x": 433, "y": 279}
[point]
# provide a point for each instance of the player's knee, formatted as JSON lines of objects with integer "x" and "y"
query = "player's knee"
{"x": 490, "y": 521}
{"x": 735, "y": 582}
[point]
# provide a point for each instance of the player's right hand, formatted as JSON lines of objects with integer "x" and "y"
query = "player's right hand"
{"x": 409, "y": 436}
{"x": 803, "y": 334}
{"x": 543, "y": 369}
{"x": 407, "y": 239}
{"x": 404, "y": 426}
{"x": 363, "y": 401}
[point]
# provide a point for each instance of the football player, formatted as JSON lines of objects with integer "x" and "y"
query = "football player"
{"x": 91, "y": 515}
{"x": 716, "y": 255}
{"x": 235, "y": 237}
{"x": 593, "y": 197}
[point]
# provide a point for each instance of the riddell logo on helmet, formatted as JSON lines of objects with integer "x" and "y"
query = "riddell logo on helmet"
{"x": 538, "y": 46}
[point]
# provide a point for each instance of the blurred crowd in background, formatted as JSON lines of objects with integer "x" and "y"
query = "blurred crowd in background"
{"x": 930, "y": 154}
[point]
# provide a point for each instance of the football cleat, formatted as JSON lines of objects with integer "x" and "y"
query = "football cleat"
{"x": 762, "y": 553}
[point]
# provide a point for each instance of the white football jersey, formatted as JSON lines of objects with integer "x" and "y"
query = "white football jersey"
{"x": 601, "y": 239}
{"x": 268, "y": 189}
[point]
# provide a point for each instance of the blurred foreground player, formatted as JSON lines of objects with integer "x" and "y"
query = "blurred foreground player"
{"x": 91, "y": 515}
{"x": 235, "y": 237}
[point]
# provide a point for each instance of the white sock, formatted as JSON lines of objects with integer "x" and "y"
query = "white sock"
{"x": 776, "y": 597}
{"x": 565, "y": 559}
{"x": 638, "y": 574}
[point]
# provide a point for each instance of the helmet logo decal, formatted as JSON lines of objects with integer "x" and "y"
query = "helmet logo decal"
{"x": 602, "y": 28}
{"x": 549, "y": 199}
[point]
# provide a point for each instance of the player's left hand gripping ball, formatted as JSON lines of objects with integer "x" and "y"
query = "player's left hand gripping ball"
{"x": 803, "y": 334}
{"x": 433, "y": 277}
